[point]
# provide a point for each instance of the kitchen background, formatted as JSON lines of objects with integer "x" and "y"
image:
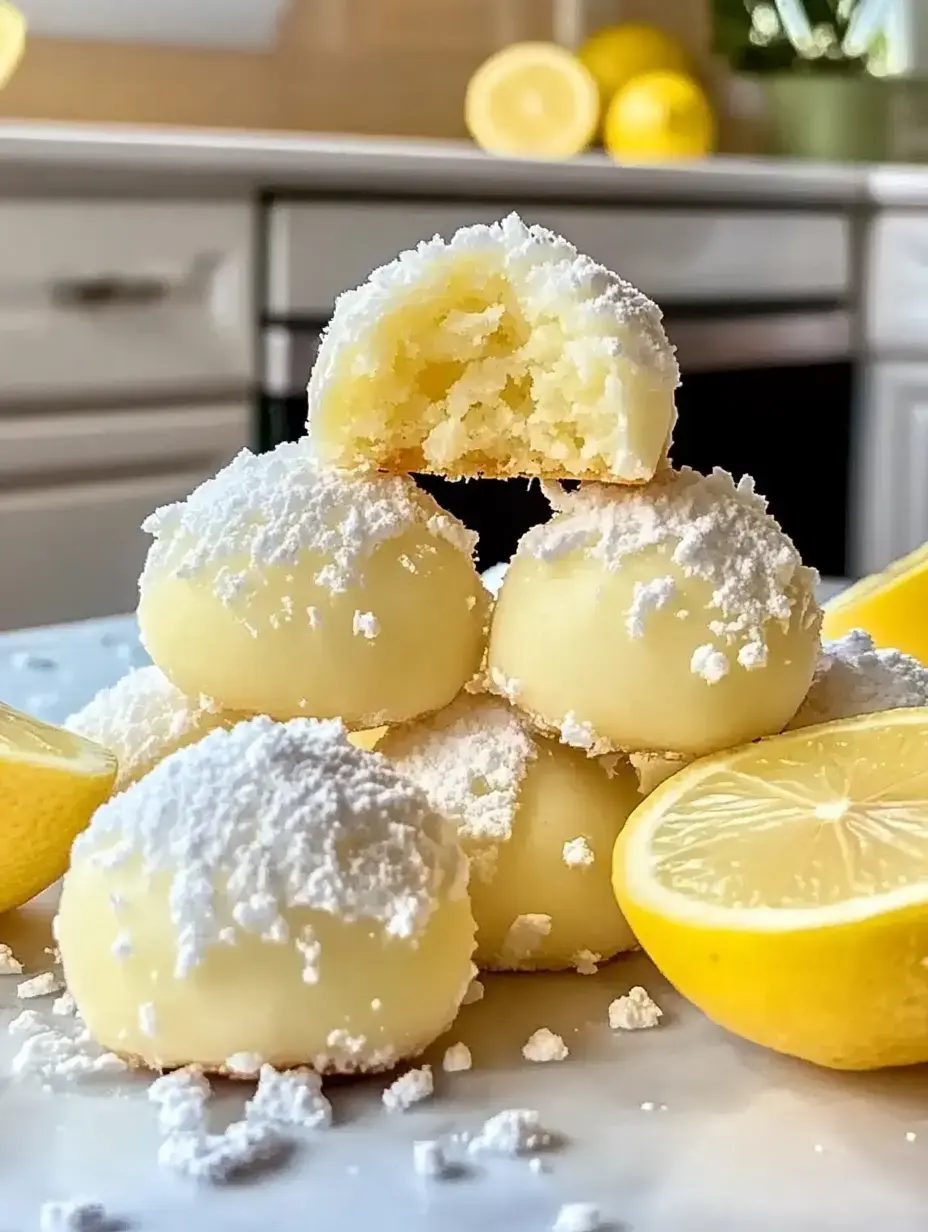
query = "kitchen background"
{"x": 185, "y": 188}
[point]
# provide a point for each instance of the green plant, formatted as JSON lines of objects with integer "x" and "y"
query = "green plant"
{"x": 764, "y": 36}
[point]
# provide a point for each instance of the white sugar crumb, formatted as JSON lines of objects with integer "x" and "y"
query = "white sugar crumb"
{"x": 470, "y": 760}
{"x": 514, "y": 1131}
{"x": 429, "y": 1160}
{"x": 537, "y": 1165}
{"x": 475, "y": 992}
{"x": 275, "y": 508}
{"x": 148, "y": 1019}
{"x": 504, "y": 686}
{"x": 244, "y": 1064}
{"x": 544, "y": 1046}
{"x": 73, "y": 1216}
{"x": 51, "y": 1054}
{"x": 291, "y": 1098}
{"x": 713, "y": 529}
{"x": 457, "y": 1058}
{"x": 122, "y": 945}
{"x": 139, "y": 717}
{"x": 365, "y": 624}
{"x": 341, "y": 831}
{"x": 203, "y": 1156}
{"x": 181, "y": 1099}
{"x": 27, "y": 1022}
{"x": 43, "y": 985}
{"x": 525, "y": 935}
{"x": 411, "y": 1088}
{"x": 853, "y": 677}
{"x": 710, "y": 663}
{"x": 648, "y": 597}
{"x": 64, "y": 1006}
{"x": 9, "y": 963}
{"x": 578, "y": 735}
{"x": 634, "y": 1012}
{"x": 753, "y": 656}
{"x": 578, "y": 853}
{"x": 578, "y": 1217}
{"x": 910, "y": 1136}
{"x": 586, "y": 962}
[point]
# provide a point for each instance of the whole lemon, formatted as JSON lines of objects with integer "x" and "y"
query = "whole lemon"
{"x": 660, "y": 117}
{"x": 616, "y": 54}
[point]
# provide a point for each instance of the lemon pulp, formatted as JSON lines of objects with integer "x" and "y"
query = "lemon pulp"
{"x": 51, "y": 781}
{"x": 783, "y": 888}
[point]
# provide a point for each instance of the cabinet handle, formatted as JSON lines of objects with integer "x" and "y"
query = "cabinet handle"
{"x": 109, "y": 292}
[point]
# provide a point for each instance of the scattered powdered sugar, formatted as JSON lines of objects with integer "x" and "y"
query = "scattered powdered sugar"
{"x": 293, "y": 1097}
{"x": 578, "y": 735}
{"x": 52, "y": 1054}
{"x": 578, "y": 1217}
{"x": 586, "y": 962}
{"x": 713, "y": 529}
{"x": 525, "y": 935}
{"x": 9, "y": 963}
{"x": 514, "y": 1131}
{"x": 142, "y": 717}
{"x": 578, "y": 853}
{"x": 76, "y": 1215}
{"x": 366, "y": 624}
{"x": 457, "y": 1058}
{"x": 853, "y": 677}
{"x": 475, "y": 993}
{"x": 148, "y": 1019}
{"x": 470, "y": 760}
{"x": 203, "y": 1156}
{"x": 710, "y": 663}
{"x": 243, "y": 1064}
{"x": 27, "y": 1022}
{"x": 634, "y": 1012}
{"x": 122, "y": 945}
{"x": 752, "y": 656}
{"x": 181, "y": 1098}
{"x": 268, "y": 816}
{"x": 543, "y": 1046}
{"x": 410, "y": 1088}
{"x": 43, "y": 985}
{"x": 428, "y": 1159}
{"x": 272, "y": 508}
{"x": 648, "y": 597}
{"x": 65, "y": 1006}
{"x": 503, "y": 686}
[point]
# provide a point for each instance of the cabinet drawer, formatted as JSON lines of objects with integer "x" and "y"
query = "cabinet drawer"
{"x": 101, "y": 442}
{"x": 124, "y": 298}
{"x": 318, "y": 250}
{"x": 897, "y": 284}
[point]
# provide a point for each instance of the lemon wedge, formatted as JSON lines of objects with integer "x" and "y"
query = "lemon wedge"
{"x": 51, "y": 782}
{"x": 12, "y": 40}
{"x": 616, "y": 54}
{"x": 783, "y": 889}
{"x": 660, "y": 117}
{"x": 891, "y": 606}
{"x": 532, "y": 100}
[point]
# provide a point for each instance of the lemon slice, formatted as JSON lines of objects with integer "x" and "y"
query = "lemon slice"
{"x": 51, "y": 782}
{"x": 891, "y": 606}
{"x": 12, "y": 40}
{"x": 534, "y": 100}
{"x": 783, "y": 889}
{"x": 662, "y": 116}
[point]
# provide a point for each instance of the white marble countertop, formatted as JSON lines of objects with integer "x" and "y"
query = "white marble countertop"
{"x": 36, "y": 157}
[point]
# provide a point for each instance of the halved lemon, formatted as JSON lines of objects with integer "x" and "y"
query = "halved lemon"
{"x": 51, "y": 782}
{"x": 532, "y": 100}
{"x": 12, "y": 40}
{"x": 783, "y": 889}
{"x": 892, "y": 606}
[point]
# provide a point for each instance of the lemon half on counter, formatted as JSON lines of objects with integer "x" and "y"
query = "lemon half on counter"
{"x": 12, "y": 40}
{"x": 51, "y": 782}
{"x": 783, "y": 889}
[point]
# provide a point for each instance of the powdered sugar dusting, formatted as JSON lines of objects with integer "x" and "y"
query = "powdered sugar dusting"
{"x": 9, "y": 963}
{"x": 634, "y": 1012}
{"x": 578, "y": 853}
{"x": 710, "y": 663}
{"x": 524, "y": 937}
{"x": 712, "y": 529}
{"x": 410, "y": 1088}
{"x": 544, "y": 1046}
{"x": 272, "y": 816}
{"x": 514, "y": 1131}
{"x": 854, "y": 677}
{"x": 470, "y": 760}
{"x": 579, "y": 735}
{"x": 272, "y": 508}
{"x": 457, "y": 1058}
{"x": 73, "y": 1215}
{"x": 648, "y": 597}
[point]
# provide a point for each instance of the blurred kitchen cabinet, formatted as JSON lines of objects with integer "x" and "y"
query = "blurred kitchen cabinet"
{"x": 891, "y": 466}
{"x": 74, "y": 490}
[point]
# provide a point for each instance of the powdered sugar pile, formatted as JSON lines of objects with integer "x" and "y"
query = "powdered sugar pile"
{"x": 269, "y": 509}
{"x": 457, "y": 1058}
{"x": 578, "y": 853}
{"x": 576, "y": 734}
{"x": 141, "y": 716}
{"x": 410, "y": 1088}
{"x": 710, "y": 527}
{"x": 65, "y": 1052}
{"x": 648, "y": 597}
{"x": 470, "y": 760}
{"x": 586, "y": 962}
{"x": 74, "y": 1215}
{"x": 634, "y": 1012}
{"x": 544, "y": 1046}
{"x": 44, "y": 985}
{"x": 578, "y": 1217}
{"x": 9, "y": 963}
{"x": 269, "y": 816}
{"x": 853, "y": 677}
{"x": 514, "y": 1131}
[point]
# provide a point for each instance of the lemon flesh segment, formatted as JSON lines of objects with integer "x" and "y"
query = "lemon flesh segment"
{"x": 532, "y": 100}
{"x": 12, "y": 40}
{"x": 783, "y": 889}
{"x": 890, "y": 605}
{"x": 51, "y": 783}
